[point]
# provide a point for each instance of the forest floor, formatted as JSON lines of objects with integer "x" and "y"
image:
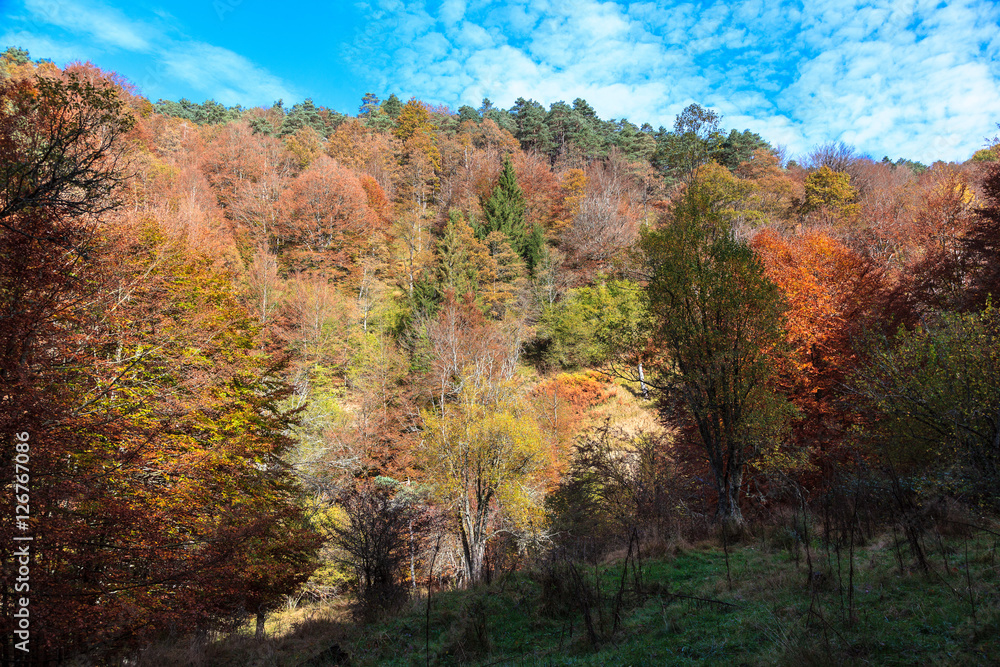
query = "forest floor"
{"x": 677, "y": 603}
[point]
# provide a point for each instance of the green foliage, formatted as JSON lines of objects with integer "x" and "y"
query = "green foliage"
{"x": 718, "y": 324}
{"x": 692, "y": 143}
{"x": 531, "y": 130}
{"x": 392, "y": 107}
{"x": 209, "y": 112}
{"x": 588, "y": 324}
{"x": 504, "y": 212}
{"x": 12, "y": 57}
{"x": 503, "y": 119}
{"x": 467, "y": 113}
{"x": 370, "y": 104}
{"x": 916, "y": 168}
{"x": 687, "y": 615}
{"x": 636, "y": 145}
{"x": 373, "y": 114}
{"x": 738, "y": 148}
{"x": 302, "y": 115}
{"x": 936, "y": 396}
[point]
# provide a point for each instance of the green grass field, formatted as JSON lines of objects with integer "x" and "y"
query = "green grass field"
{"x": 677, "y": 604}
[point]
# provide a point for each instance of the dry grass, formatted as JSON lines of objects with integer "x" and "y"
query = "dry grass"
{"x": 291, "y": 638}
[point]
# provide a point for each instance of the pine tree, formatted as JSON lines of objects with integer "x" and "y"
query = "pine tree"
{"x": 392, "y": 107}
{"x": 504, "y": 212}
{"x": 300, "y": 116}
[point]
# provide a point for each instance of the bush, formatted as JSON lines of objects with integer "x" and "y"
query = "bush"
{"x": 376, "y": 540}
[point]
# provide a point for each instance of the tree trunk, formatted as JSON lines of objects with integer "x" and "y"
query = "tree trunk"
{"x": 473, "y": 550}
{"x": 728, "y": 510}
{"x": 259, "y": 634}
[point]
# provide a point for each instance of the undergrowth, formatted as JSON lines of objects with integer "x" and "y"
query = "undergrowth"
{"x": 682, "y": 603}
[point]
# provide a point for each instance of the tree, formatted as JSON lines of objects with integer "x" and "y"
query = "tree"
{"x": 837, "y": 156}
{"x": 981, "y": 243}
{"x": 529, "y": 119}
{"x": 355, "y": 146}
{"x": 504, "y": 212}
{"x": 717, "y": 323}
{"x": 462, "y": 257}
{"x": 392, "y": 107}
{"x": 740, "y": 147}
{"x": 691, "y": 144}
{"x": 935, "y": 397}
{"x": 772, "y": 190}
{"x": 608, "y": 213}
{"x": 830, "y": 193}
{"x": 301, "y": 116}
{"x": 61, "y": 138}
{"x": 468, "y": 114}
{"x": 480, "y": 454}
{"x": 327, "y": 217}
{"x": 421, "y": 159}
{"x": 376, "y": 540}
{"x": 306, "y": 145}
{"x": 156, "y": 430}
{"x": 834, "y": 297}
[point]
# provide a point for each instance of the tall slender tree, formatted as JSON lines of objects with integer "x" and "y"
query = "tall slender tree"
{"x": 717, "y": 322}
{"x": 504, "y": 211}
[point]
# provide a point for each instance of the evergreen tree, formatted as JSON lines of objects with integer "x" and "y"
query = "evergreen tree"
{"x": 465, "y": 112}
{"x": 392, "y": 107}
{"x": 303, "y": 115}
{"x": 504, "y": 212}
{"x": 502, "y": 118}
{"x": 738, "y": 148}
{"x": 532, "y": 132}
{"x": 369, "y": 105}
{"x": 16, "y": 56}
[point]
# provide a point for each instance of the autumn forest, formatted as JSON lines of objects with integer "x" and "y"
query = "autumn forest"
{"x": 255, "y": 360}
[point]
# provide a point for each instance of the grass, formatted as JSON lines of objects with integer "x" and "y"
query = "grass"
{"x": 682, "y": 609}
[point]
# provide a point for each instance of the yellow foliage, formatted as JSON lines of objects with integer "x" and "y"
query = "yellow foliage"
{"x": 482, "y": 455}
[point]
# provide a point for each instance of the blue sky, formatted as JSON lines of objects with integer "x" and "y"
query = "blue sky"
{"x": 904, "y": 78}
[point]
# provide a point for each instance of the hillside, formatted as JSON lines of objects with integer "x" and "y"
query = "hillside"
{"x": 253, "y": 358}
{"x": 676, "y": 602}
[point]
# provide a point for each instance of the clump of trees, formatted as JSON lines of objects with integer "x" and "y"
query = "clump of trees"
{"x": 244, "y": 340}
{"x": 156, "y": 416}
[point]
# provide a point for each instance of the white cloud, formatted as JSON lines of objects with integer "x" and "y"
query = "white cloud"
{"x": 897, "y": 77}
{"x": 451, "y": 11}
{"x": 60, "y": 52}
{"x": 103, "y": 23}
{"x": 229, "y": 77}
{"x": 93, "y": 28}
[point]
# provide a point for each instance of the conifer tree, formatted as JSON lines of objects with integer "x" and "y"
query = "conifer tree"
{"x": 392, "y": 107}
{"x": 504, "y": 212}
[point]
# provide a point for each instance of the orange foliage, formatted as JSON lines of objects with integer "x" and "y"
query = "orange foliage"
{"x": 562, "y": 405}
{"x": 326, "y": 218}
{"x": 833, "y": 295}
{"x": 540, "y": 187}
{"x": 366, "y": 152}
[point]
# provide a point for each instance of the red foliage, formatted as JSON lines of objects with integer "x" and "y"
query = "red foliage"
{"x": 834, "y": 297}
{"x": 326, "y": 218}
